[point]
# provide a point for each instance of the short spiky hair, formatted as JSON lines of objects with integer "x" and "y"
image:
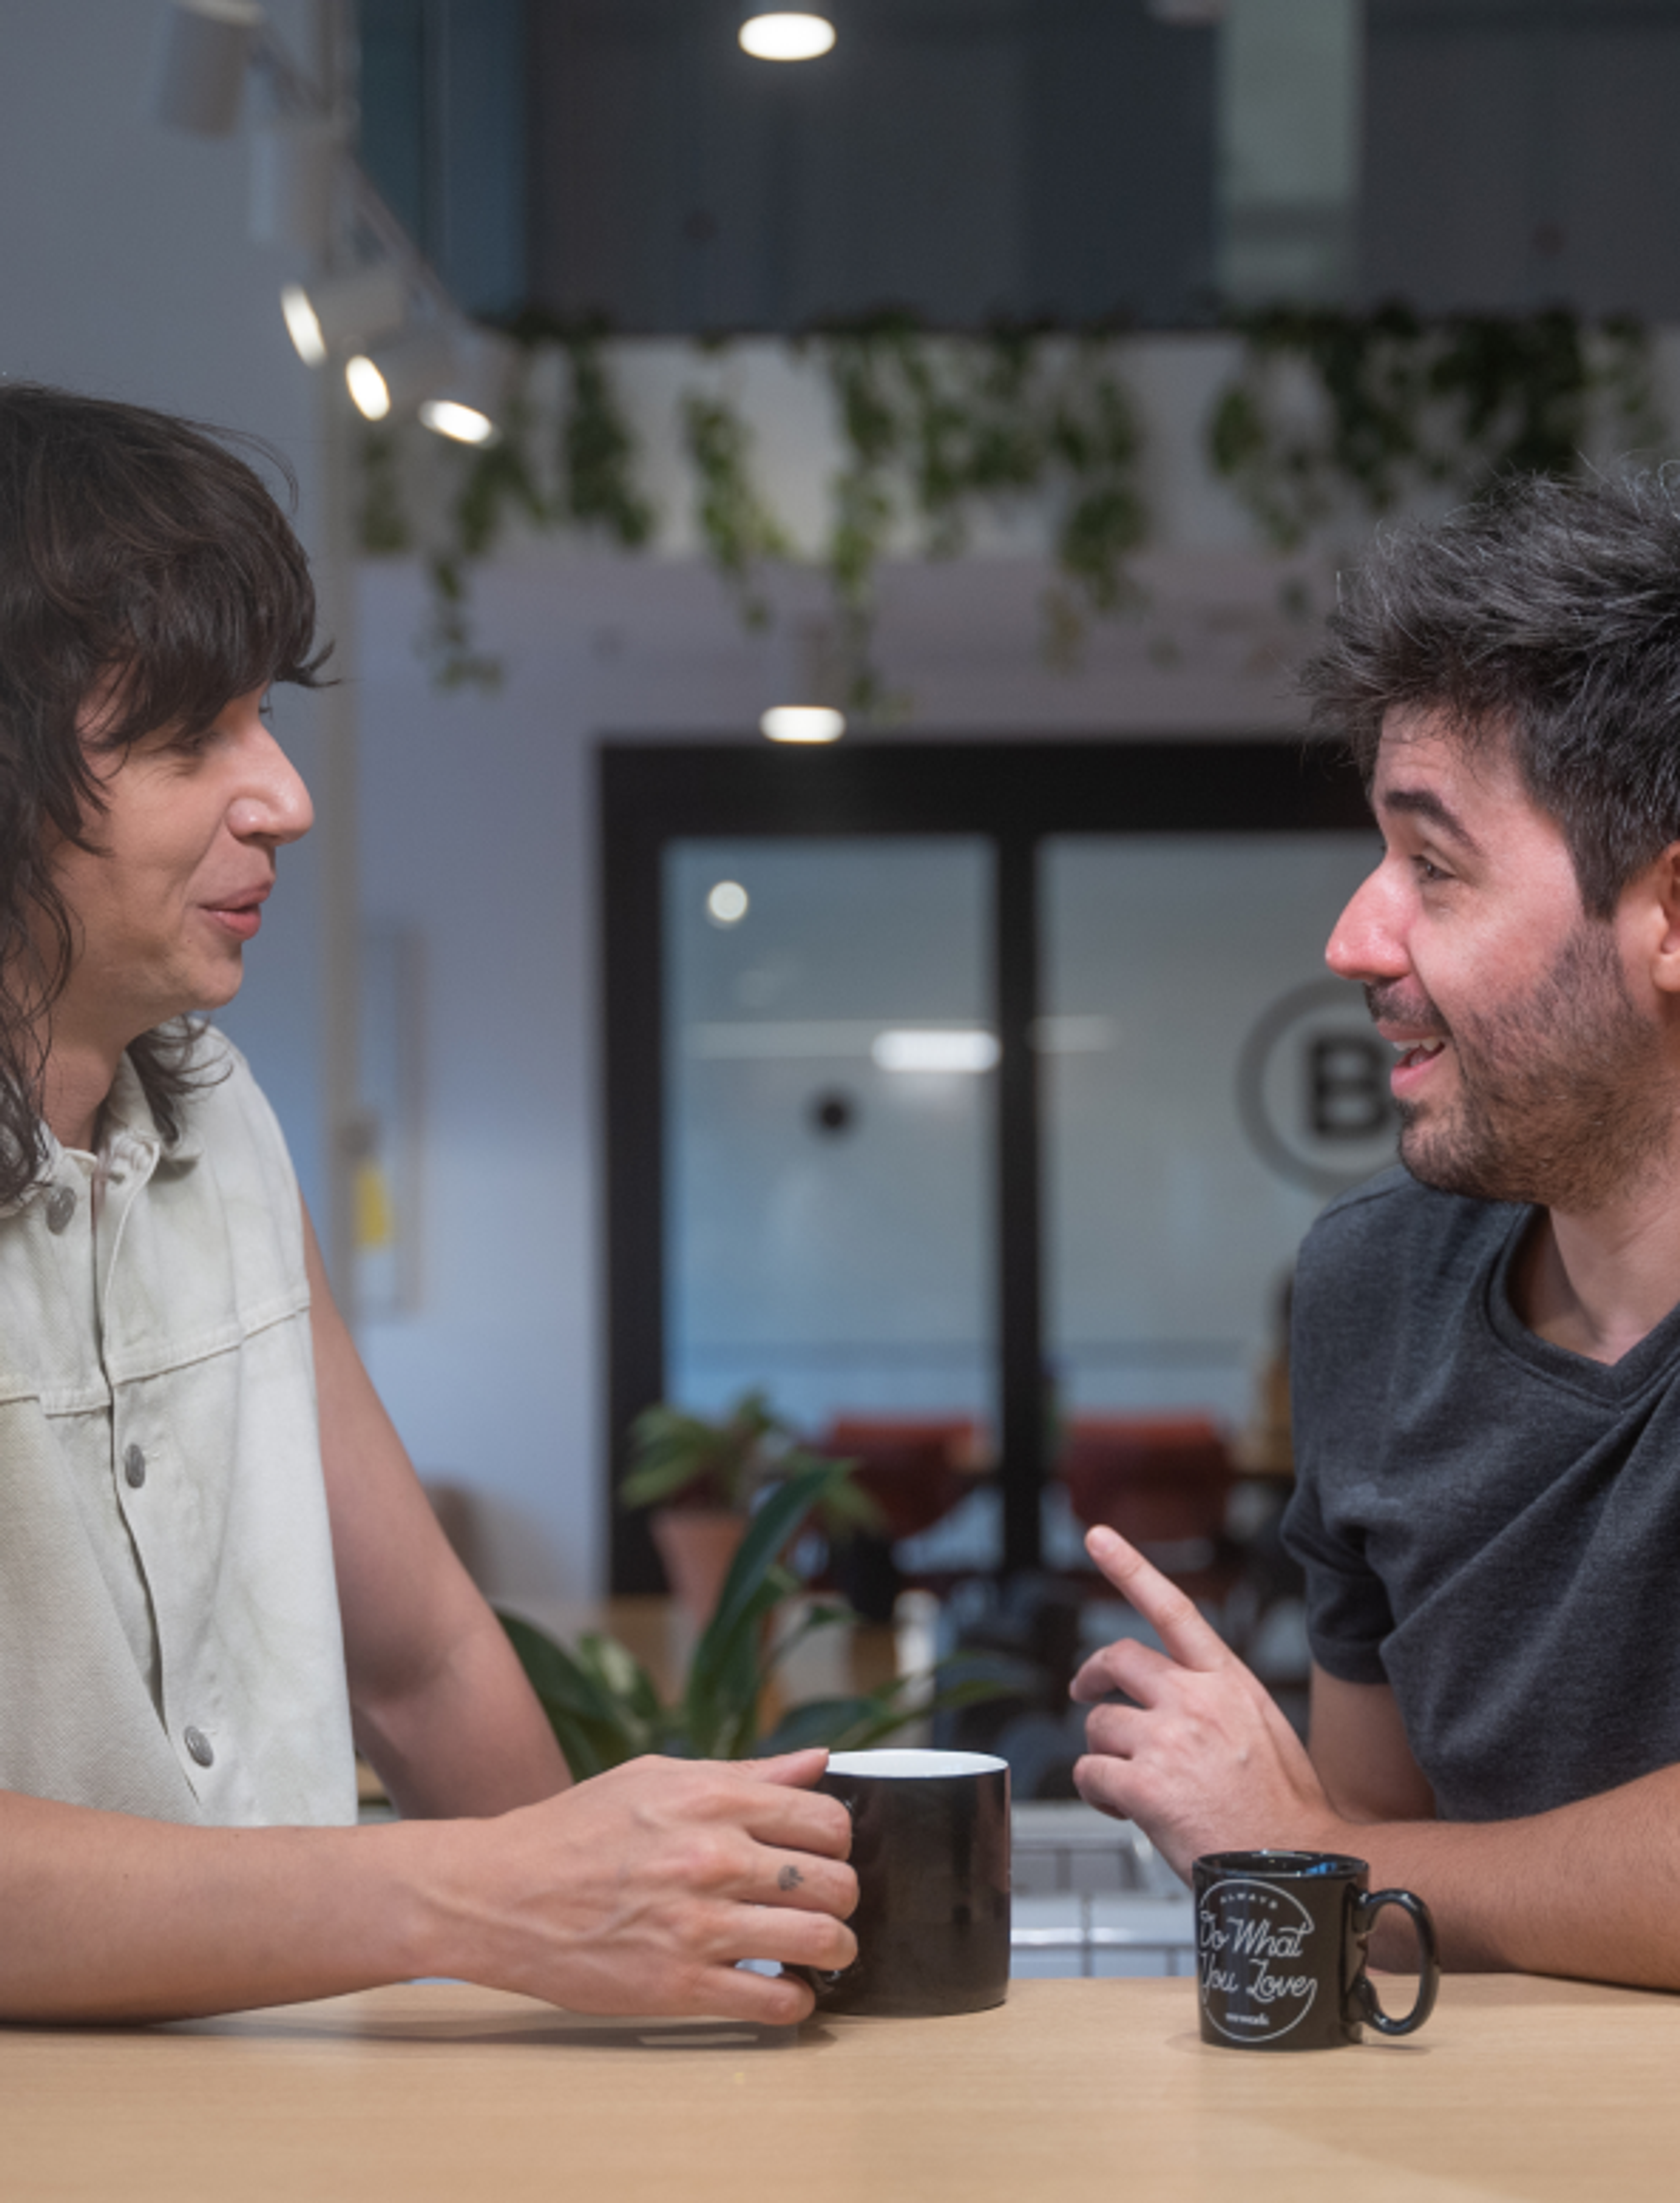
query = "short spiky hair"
{"x": 143, "y": 560}
{"x": 1545, "y": 615}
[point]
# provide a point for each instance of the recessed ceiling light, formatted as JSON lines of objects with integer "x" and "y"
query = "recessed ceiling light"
{"x": 803, "y": 722}
{"x": 786, "y": 38}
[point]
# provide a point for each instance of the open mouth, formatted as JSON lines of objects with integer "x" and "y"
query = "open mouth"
{"x": 1412, "y": 1052}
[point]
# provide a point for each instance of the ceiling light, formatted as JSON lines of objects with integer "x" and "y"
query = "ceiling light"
{"x": 786, "y": 38}
{"x": 303, "y": 325}
{"x": 727, "y": 903}
{"x": 939, "y": 1048}
{"x": 803, "y": 722}
{"x": 345, "y": 312}
{"x": 463, "y": 424}
{"x": 203, "y": 77}
{"x": 397, "y": 377}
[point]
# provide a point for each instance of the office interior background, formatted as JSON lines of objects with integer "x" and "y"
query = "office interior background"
{"x": 829, "y": 1220}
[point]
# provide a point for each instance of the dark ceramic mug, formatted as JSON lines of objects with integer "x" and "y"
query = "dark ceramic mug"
{"x": 930, "y": 1843}
{"x": 1281, "y": 1941}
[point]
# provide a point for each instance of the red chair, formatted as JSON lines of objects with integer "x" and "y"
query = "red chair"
{"x": 1163, "y": 1482}
{"x": 910, "y": 1467}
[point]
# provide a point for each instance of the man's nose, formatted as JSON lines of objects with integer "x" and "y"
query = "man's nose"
{"x": 273, "y": 804}
{"x": 1368, "y": 943}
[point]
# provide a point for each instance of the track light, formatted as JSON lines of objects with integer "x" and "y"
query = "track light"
{"x": 786, "y": 38}
{"x": 466, "y": 407}
{"x": 203, "y": 76}
{"x": 397, "y": 377}
{"x": 294, "y": 166}
{"x": 462, "y": 424}
{"x": 345, "y": 312}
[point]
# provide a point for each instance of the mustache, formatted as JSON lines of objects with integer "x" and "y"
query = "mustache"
{"x": 1389, "y": 1002}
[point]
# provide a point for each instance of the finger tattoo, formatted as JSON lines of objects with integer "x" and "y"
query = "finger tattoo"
{"x": 789, "y": 1878}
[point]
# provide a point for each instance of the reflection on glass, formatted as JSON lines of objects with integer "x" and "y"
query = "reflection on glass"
{"x": 1206, "y": 1086}
{"x": 831, "y": 1130}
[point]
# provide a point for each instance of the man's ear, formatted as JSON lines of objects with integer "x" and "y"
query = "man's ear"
{"x": 1658, "y": 893}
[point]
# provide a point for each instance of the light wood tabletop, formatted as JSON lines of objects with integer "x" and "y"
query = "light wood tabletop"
{"x": 1074, "y": 2090}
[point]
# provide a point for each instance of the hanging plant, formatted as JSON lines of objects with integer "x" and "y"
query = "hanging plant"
{"x": 590, "y": 482}
{"x": 738, "y": 527}
{"x": 933, "y": 429}
{"x": 1331, "y": 415}
{"x": 1333, "y": 409}
{"x": 937, "y": 429}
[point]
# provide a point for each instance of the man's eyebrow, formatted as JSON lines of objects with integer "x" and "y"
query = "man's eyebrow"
{"x": 1424, "y": 803}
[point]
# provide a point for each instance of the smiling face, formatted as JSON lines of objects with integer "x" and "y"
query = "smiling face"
{"x": 184, "y": 857}
{"x": 1526, "y": 1070}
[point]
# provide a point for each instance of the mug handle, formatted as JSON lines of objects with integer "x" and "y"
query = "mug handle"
{"x": 1365, "y": 1910}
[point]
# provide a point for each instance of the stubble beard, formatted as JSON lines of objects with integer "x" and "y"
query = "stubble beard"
{"x": 1561, "y": 1101}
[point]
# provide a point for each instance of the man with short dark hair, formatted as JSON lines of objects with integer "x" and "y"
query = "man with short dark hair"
{"x": 1487, "y": 1344}
{"x": 216, "y": 1562}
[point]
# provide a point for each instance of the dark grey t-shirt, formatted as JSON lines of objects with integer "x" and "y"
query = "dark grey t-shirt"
{"x": 1488, "y": 1523}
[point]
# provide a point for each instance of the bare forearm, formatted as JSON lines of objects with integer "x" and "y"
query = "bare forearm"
{"x": 467, "y": 1738}
{"x": 1591, "y": 1889}
{"x": 637, "y": 1892}
{"x": 105, "y": 1916}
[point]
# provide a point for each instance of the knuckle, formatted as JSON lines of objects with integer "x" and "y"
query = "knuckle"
{"x": 702, "y": 1860}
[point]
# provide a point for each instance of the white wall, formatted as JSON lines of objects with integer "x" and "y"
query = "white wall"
{"x": 126, "y": 272}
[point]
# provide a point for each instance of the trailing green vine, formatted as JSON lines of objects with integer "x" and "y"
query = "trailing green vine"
{"x": 740, "y": 529}
{"x": 1330, "y": 416}
{"x": 935, "y": 429}
{"x": 1332, "y": 408}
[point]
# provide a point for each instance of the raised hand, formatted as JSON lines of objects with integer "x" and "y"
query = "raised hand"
{"x": 1201, "y": 1759}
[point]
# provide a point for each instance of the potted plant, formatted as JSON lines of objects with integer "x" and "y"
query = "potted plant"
{"x": 605, "y": 1708}
{"x": 701, "y": 1479}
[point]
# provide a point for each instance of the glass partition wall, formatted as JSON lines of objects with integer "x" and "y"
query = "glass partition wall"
{"x": 830, "y": 1132}
{"x": 983, "y": 1089}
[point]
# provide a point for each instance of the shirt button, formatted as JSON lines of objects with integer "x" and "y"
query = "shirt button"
{"x": 134, "y": 1467}
{"x": 199, "y": 1745}
{"x": 61, "y": 1207}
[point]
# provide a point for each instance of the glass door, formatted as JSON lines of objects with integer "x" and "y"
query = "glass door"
{"x": 830, "y": 1140}
{"x": 1204, "y": 1086}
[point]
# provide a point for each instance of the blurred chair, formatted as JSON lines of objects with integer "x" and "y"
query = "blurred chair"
{"x": 1165, "y": 1483}
{"x": 914, "y": 1468}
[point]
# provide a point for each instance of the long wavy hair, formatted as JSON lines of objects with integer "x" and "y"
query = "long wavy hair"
{"x": 143, "y": 560}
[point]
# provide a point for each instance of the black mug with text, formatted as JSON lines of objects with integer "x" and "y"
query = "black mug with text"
{"x": 930, "y": 1843}
{"x": 1281, "y": 1941}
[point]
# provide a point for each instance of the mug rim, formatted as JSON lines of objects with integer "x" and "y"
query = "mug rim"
{"x": 910, "y": 1762}
{"x": 1283, "y": 1865}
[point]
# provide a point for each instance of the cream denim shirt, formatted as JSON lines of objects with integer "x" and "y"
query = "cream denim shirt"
{"x": 169, "y": 1635}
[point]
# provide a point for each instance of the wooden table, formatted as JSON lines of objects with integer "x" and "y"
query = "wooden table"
{"x": 1074, "y": 2090}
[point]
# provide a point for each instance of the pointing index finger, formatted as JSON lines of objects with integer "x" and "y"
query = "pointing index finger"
{"x": 1193, "y": 1642}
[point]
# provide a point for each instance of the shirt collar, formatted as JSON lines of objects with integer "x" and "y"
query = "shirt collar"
{"x": 129, "y": 1132}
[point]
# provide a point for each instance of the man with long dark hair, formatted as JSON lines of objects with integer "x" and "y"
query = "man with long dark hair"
{"x": 1487, "y": 1343}
{"x": 216, "y": 1566}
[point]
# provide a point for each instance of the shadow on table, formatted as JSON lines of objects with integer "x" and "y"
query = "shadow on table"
{"x": 537, "y": 2029}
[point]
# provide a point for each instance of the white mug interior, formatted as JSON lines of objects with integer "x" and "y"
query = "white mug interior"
{"x": 906, "y": 1763}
